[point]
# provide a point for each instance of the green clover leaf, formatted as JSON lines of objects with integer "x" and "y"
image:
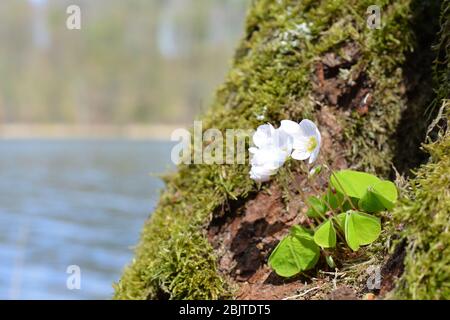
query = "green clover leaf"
{"x": 297, "y": 252}
{"x": 325, "y": 235}
{"x": 379, "y": 197}
{"x": 353, "y": 183}
{"x": 361, "y": 229}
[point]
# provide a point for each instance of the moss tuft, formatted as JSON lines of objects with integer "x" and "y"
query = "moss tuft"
{"x": 426, "y": 214}
{"x": 426, "y": 217}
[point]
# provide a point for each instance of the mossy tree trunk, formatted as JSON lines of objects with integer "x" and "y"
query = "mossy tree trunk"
{"x": 213, "y": 229}
{"x": 425, "y": 213}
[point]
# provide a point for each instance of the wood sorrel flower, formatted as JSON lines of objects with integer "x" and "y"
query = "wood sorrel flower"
{"x": 272, "y": 148}
{"x": 306, "y": 139}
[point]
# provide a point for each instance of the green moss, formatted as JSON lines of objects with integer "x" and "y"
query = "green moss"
{"x": 270, "y": 77}
{"x": 426, "y": 214}
{"x": 174, "y": 258}
{"x": 426, "y": 217}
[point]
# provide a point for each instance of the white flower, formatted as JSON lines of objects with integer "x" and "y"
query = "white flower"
{"x": 306, "y": 139}
{"x": 272, "y": 148}
{"x": 260, "y": 174}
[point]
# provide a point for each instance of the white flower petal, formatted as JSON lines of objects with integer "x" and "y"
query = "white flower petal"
{"x": 308, "y": 128}
{"x": 279, "y": 158}
{"x": 264, "y": 170}
{"x": 260, "y": 157}
{"x": 261, "y": 174}
{"x": 282, "y": 141}
{"x": 259, "y": 178}
{"x": 263, "y": 135}
{"x": 319, "y": 138}
{"x": 314, "y": 155}
{"x": 300, "y": 143}
{"x": 300, "y": 154}
{"x": 269, "y": 157}
{"x": 290, "y": 127}
{"x": 257, "y": 159}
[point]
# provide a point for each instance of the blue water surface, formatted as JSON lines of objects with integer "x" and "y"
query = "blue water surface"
{"x": 69, "y": 202}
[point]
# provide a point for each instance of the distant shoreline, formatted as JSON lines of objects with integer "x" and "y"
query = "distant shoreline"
{"x": 22, "y": 131}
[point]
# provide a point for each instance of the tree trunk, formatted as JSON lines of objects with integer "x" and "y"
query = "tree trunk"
{"x": 367, "y": 89}
{"x": 425, "y": 214}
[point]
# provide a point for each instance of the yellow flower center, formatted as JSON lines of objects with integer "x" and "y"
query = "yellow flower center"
{"x": 312, "y": 144}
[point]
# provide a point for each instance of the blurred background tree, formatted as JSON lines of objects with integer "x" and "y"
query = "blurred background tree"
{"x": 135, "y": 61}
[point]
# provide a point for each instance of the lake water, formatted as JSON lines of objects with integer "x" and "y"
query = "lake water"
{"x": 79, "y": 203}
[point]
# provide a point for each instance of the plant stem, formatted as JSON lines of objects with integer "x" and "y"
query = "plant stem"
{"x": 336, "y": 227}
{"x": 300, "y": 193}
{"x": 318, "y": 191}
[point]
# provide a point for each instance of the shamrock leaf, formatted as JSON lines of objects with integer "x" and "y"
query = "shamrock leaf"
{"x": 325, "y": 235}
{"x": 379, "y": 197}
{"x": 353, "y": 183}
{"x": 295, "y": 253}
{"x": 361, "y": 229}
